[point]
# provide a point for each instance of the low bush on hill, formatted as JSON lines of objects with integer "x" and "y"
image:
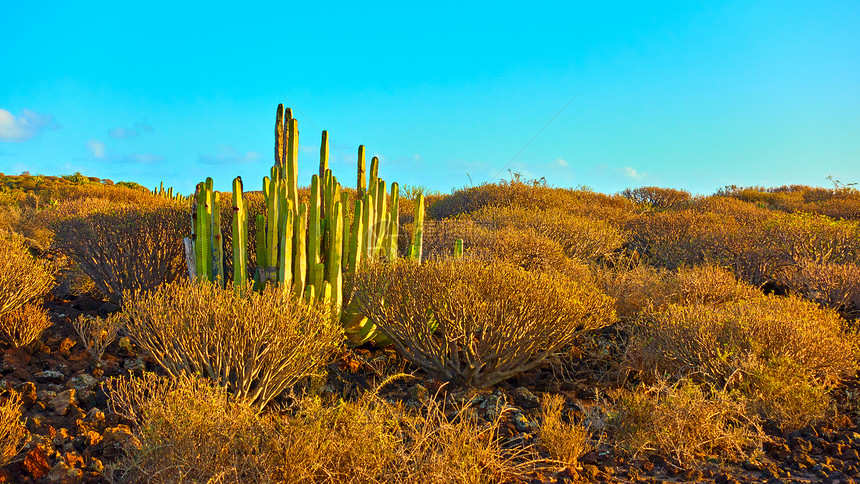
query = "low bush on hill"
{"x": 477, "y": 323}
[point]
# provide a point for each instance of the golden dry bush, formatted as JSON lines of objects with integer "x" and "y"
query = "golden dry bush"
{"x": 97, "y": 333}
{"x": 24, "y": 324}
{"x": 658, "y": 198}
{"x": 718, "y": 341}
{"x": 581, "y": 237}
{"x": 474, "y": 322}
{"x": 641, "y": 288}
{"x": 832, "y": 285}
{"x": 12, "y": 430}
{"x": 566, "y": 442}
{"x": 188, "y": 431}
{"x": 127, "y": 248}
{"x": 23, "y": 278}
{"x": 673, "y": 239}
{"x": 256, "y": 344}
{"x": 684, "y": 421}
{"x": 817, "y": 238}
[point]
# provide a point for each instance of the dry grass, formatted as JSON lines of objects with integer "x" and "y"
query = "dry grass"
{"x": 23, "y": 325}
{"x": 12, "y": 430}
{"x": 126, "y": 248}
{"x": 97, "y": 333}
{"x": 683, "y": 421}
{"x": 189, "y": 431}
{"x": 566, "y": 442}
{"x": 23, "y": 278}
{"x": 478, "y": 323}
{"x": 257, "y": 345}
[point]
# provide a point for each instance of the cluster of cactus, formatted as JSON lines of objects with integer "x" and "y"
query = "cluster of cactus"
{"x": 160, "y": 191}
{"x": 312, "y": 249}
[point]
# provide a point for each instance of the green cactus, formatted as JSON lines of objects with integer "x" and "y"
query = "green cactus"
{"x": 361, "y": 186}
{"x": 324, "y": 153}
{"x": 203, "y": 239}
{"x": 217, "y": 242}
{"x": 300, "y": 261}
{"x": 240, "y": 235}
{"x": 415, "y": 251}
{"x": 335, "y": 269}
{"x": 458, "y": 249}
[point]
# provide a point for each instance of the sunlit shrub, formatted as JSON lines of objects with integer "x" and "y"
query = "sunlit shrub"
{"x": 126, "y": 248}
{"x": 717, "y": 341}
{"x": 658, "y": 198}
{"x": 478, "y": 323}
{"x": 20, "y": 326}
{"x": 12, "y": 430}
{"x": 644, "y": 288}
{"x": 673, "y": 239}
{"x": 835, "y": 286}
{"x": 23, "y": 278}
{"x": 683, "y": 420}
{"x": 189, "y": 431}
{"x": 257, "y": 345}
{"x": 580, "y": 237}
{"x": 565, "y": 441}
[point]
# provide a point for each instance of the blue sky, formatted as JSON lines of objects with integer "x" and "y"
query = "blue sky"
{"x": 693, "y": 95}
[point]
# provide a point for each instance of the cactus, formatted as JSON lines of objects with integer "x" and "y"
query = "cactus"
{"x": 300, "y": 261}
{"x": 458, "y": 249}
{"x": 361, "y": 186}
{"x": 313, "y": 249}
{"x": 417, "y": 247}
{"x": 324, "y": 154}
{"x": 240, "y": 235}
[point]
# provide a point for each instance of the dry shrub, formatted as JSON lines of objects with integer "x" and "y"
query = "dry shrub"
{"x": 718, "y": 341}
{"x": 478, "y": 323}
{"x": 127, "y": 248}
{"x": 256, "y": 344}
{"x": 751, "y": 346}
{"x": 12, "y": 430}
{"x": 673, "y": 239}
{"x": 189, "y": 431}
{"x": 24, "y": 324}
{"x": 642, "y": 288}
{"x": 832, "y": 285}
{"x": 23, "y": 278}
{"x": 801, "y": 236}
{"x": 533, "y": 195}
{"x": 658, "y": 198}
{"x": 580, "y": 237}
{"x": 783, "y": 392}
{"x": 523, "y": 248}
{"x": 97, "y": 333}
{"x": 684, "y": 421}
{"x": 566, "y": 442}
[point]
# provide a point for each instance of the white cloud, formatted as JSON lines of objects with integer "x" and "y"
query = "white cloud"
{"x": 561, "y": 162}
{"x": 631, "y": 173}
{"x": 229, "y": 155}
{"x": 26, "y": 126}
{"x": 96, "y": 148}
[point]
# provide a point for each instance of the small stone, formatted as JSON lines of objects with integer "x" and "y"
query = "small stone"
{"x": 419, "y": 392}
{"x": 108, "y": 307}
{"x": 28, "y": 393}
{"x": 46, "y": 396}
{"x": 65, "y": 345}
{"x": 35, "y": 462}
{"x": 83, "y": 382}
{"x": 521, "y": 423}
{"x": 61, "y": 473}
{"x": 523, "y": 398}
{"x": 61, "y": 402}
{"x": 120, "y": 436}
{"x": 85, "y": 397}
{"x": 134, "y": 364}
{"x": 49, "y": 376}
{"x": 850, "y": 454}
{"x": 62, "y": 437}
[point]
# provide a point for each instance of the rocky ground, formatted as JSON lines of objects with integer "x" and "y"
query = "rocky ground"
{"x": 73, "y": 433}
